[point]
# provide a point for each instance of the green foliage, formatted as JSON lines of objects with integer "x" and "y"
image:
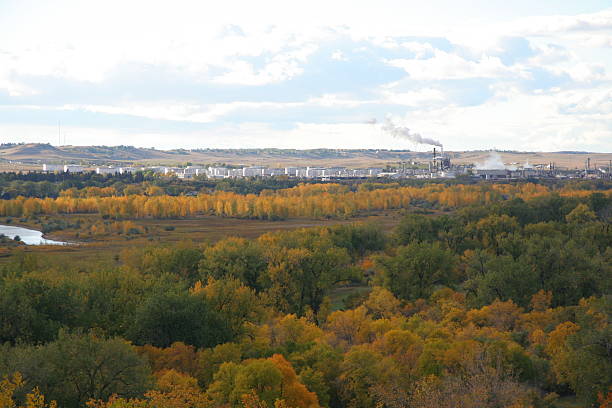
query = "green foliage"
{"x": 358, "y": 239}
{"x": 170, "y": 317}
{"x": 32, "y": 311}
{"x": 414, "y": 227}
{"x": 77, "y": 367}
{"x": 181, "y": 260}
{"x": 234, "y": 258}
{"x": 415, "y": 270}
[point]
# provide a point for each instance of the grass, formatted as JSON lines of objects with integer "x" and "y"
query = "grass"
{"x": 200, "y": 229}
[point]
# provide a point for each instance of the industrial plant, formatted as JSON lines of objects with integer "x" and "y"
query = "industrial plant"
{"x": 440, "y": 166}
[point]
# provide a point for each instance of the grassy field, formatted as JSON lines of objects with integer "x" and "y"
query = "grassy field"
{"x": 202, "y": 229}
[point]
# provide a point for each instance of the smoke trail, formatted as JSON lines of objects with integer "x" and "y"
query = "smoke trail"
{"x": 405, "y": 133}
{"x": 492, "y": 162}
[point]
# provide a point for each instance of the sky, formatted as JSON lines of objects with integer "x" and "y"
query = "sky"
{"x": 477, "y": 74}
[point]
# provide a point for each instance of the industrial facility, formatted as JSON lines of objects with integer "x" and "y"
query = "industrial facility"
{"x": 439, "y": 166}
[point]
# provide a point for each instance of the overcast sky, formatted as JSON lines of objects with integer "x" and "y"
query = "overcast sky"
{"x": 477, "y": 74}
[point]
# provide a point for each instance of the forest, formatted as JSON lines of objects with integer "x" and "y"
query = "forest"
{"x": 482, "y": 295}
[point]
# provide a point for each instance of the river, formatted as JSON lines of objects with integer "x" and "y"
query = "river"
{"x": 28, "y": 236}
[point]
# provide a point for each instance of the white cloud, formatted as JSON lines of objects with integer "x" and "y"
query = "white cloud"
{"x": 420, "y": 49}
{"x": 444, "y": 65}
{"x": 549, "y": 25}
{"x": 338, "y": 56}
{"x": 245, "y": 45}
{"x": 425, "y": 98}
{"x": 598, "y": 41}
{"x": 515, "y": 120}
{"x": 597, "y": 102}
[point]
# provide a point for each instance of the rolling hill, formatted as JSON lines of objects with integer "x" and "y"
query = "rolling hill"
{"x": 33, "y": 153}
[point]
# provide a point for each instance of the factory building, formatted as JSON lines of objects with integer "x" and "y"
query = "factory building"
{"x": 492, "y": 174}
{"x": 73, "y": 168}
{"x": 253, "y": 171}
{"x": 53, "y": 167}
{"x": 107, "y": 170}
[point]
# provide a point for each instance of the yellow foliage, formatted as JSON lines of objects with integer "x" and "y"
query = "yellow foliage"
{"x": 350, "y": 327}
{"x": 34, "y": 399}
{"x": 311, "y": 200}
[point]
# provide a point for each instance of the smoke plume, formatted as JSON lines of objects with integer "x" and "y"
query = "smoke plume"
{"x": 405, "y": 133}
{"x": 493, "y": 162}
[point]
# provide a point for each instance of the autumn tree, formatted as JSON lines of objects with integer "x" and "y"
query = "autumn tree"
{"x": 272, "y": 380}
{"x": 33, "y": 399}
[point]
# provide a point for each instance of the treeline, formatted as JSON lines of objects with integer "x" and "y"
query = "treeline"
{"x": 304, "y": 200}
{"x": 89, "y": 184}
{"x": 498, "y": 305}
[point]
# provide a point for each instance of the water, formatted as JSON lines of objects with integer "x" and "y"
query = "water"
{"x": 28, "y": 236}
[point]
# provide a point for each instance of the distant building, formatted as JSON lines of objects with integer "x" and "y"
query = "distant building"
{"x": 291, "y": 171}
{"x": 157, "y": 169}
{"x": 53, "y": 167}
{"x": 195, "y": 170}
{"x": 389, "y": 174}
{"x": 253, "y": 171}
{"x": 315, "y": 172}
{"x": 171, "y": 170}
{"x": 235, "y": 173}
{"x": 359, "y": 173}
{"x": 492, "y": 174}
{"x": 270, "y": 172}
{"x": 218, "y": 172}
{"x": 73, "y": 168}
{"x": 334, "y": 172}
{"x": 107, "y": 170}
{"x": 124, "y": 170}
{"x": 447, "y": 174}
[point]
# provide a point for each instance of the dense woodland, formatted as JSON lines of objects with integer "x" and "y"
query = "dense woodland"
{"x": 502, "y": 301}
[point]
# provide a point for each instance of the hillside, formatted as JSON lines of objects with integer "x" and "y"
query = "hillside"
{"x": 38, "y": 153}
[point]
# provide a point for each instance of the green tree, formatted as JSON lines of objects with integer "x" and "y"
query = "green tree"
{"x": 581, "y": 215}
{"x": 166, "y": 318}
{"x": 234, "y": 258}
{"x": 500, "y": 277}
{"x": 78, "y": 367}
{"x": 237, "y": 305}
{"x": 416, "y": 270}
{"x": 581, "y": 355}
{"x": 299, "y": 278}
{"x": 32, "y": 310}
{"x": 413, "y": 227}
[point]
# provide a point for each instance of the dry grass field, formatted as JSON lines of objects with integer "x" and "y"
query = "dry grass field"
{"x": 83, "y": 249}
